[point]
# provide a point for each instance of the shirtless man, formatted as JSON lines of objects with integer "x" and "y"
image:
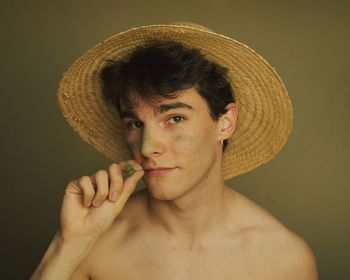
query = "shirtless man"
{"x": 186, "y": 223}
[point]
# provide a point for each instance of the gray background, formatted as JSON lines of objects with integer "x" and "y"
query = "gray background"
{"x": 306, "y": 186}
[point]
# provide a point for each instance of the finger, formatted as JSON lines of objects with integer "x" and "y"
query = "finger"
{"x": 87, "y": 188}
{"x": 129, "y": 183}
{"x": 116, "y": 182}
{"x": 102, "y": 185}
{"x": 73, "y": 187}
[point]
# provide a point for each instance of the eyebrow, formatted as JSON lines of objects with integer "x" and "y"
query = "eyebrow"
{"x": 175, "y": 105}
{"x": 158, "y": 110}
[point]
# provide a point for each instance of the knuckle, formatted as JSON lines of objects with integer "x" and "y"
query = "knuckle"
{"x": 101, "y": 177}
{"x": 86, "y": 185}
{"x": 114, "y": 170}
{"x": 113, "y": 166}
{"x": 83, "y": 180}
{"x": 101, "y": 173}
{"x": 72, "y": 183}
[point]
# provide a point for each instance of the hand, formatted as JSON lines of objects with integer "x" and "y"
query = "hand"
{"x": 91, "y": 203}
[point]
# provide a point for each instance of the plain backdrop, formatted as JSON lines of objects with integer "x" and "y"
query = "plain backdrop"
{"x": 306, "y": 186}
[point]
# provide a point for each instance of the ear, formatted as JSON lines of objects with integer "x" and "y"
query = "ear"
{"x": 227, "y": 122}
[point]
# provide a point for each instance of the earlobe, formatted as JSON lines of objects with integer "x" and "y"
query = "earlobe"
{"x": 228, "y": 121}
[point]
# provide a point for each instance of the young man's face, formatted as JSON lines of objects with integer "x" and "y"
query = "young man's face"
{"x": 176, "y": 142}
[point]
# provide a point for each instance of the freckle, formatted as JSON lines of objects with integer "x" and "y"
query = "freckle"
{"x": 184, "y": 138}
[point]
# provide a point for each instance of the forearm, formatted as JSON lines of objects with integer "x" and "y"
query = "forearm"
{"x": 61, "y": 259}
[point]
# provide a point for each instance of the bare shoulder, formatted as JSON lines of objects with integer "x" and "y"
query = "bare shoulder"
{"x": 285, "y": 252}
{"x": 297, "y": 259}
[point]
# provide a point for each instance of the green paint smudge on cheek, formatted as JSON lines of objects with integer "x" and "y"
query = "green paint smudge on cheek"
{"x": 184, "y": 138}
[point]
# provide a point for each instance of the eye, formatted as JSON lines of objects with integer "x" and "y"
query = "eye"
{"x": 134, "y": 125}
{"x": 176, "y": 119}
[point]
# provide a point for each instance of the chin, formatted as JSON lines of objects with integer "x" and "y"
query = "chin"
{"x": 163, "y": 192}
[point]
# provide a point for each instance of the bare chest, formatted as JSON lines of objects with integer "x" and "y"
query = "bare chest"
{"x": 152, "y": 262}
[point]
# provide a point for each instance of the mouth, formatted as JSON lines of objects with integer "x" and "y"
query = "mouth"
{"x": 160, "y": 171}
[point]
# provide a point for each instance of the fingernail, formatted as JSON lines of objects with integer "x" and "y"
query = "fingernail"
{"x": 114, "y": 196}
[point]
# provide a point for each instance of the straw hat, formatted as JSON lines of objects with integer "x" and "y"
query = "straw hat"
{"x": 265, "y": 111}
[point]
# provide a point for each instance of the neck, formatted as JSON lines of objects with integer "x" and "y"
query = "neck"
{"x": 202, "y": 210}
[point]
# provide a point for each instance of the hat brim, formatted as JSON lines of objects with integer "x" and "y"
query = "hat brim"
{"x": 265, "y": 112}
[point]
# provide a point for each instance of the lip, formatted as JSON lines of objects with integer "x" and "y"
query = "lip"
{"x": 160, "y": 171}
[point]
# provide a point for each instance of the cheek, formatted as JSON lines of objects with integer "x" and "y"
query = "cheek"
{"x": 133, "y": 146}
{"x": 187, "y": 143}
{"x": 200, "y": 142}
{"x": 186, "y": 138}
{"x": 133, "y": 141}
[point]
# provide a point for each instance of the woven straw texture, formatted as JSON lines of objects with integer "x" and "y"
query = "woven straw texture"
{"x": 265, "y": 111}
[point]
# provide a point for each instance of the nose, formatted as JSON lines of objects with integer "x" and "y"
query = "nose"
{"x": 152, "y": 142}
